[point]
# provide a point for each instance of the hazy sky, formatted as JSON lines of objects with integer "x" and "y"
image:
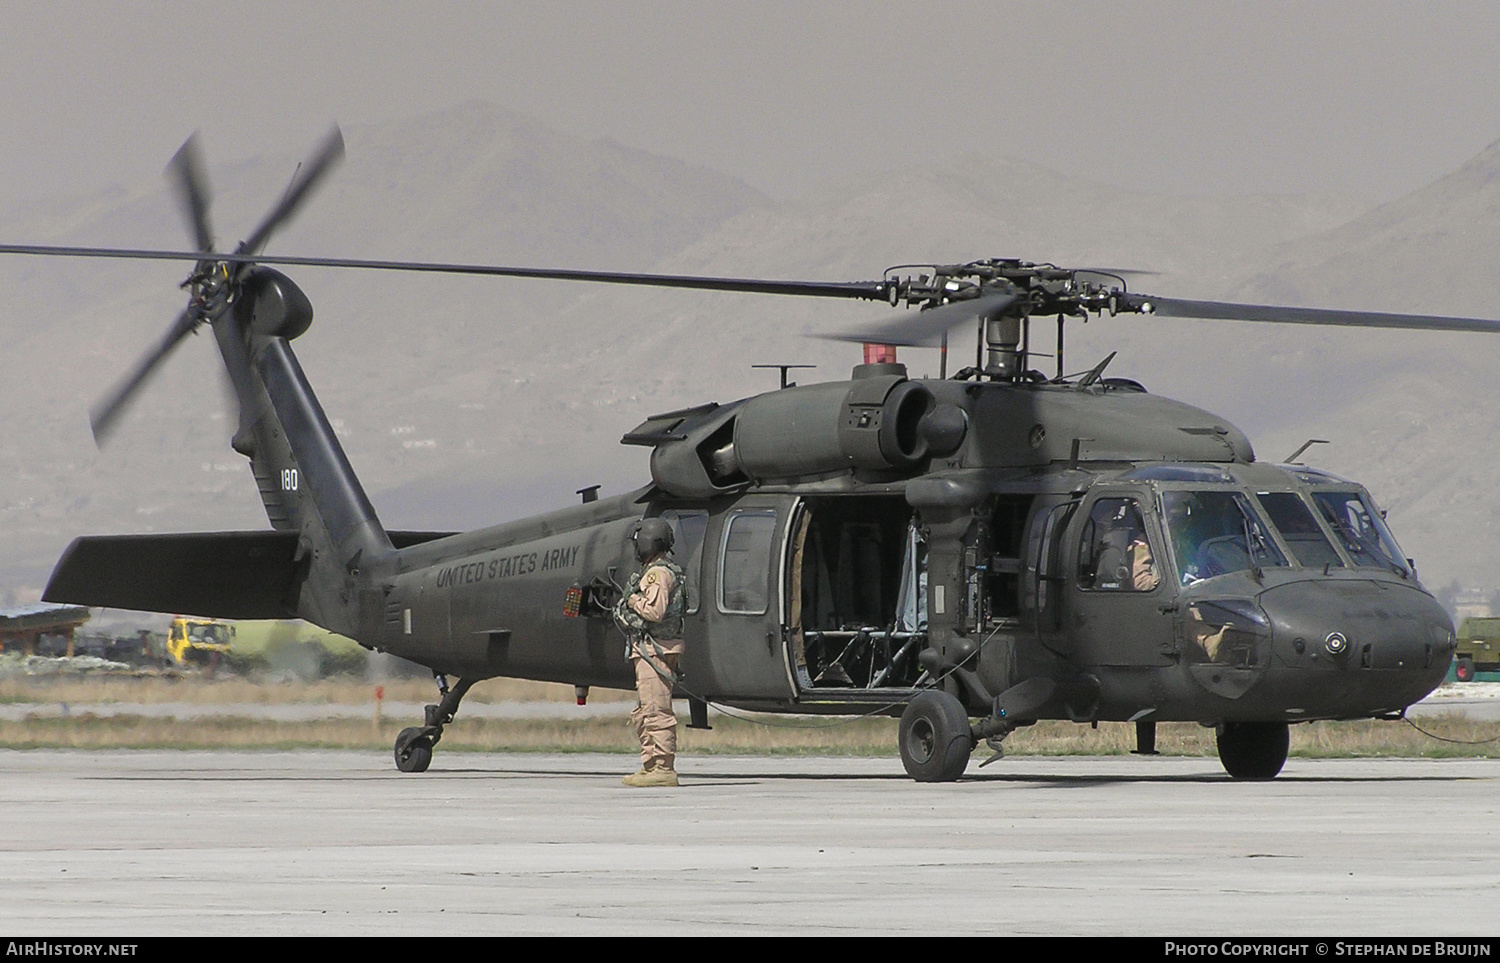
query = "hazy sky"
{"x": 1374, "y": 98}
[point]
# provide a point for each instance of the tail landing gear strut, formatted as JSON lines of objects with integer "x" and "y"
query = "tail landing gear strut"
{"x": 414, "y": 744}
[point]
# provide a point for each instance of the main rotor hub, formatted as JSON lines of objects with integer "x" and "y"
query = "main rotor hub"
{"x": 1012, "y": 291}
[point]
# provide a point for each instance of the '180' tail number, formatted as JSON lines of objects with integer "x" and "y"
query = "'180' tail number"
{"x": 289, "y": 479}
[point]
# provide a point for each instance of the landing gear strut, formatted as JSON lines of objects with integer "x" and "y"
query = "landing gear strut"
{"x": 414, "y": 744}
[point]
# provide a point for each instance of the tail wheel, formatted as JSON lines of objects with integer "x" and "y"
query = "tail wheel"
{"x": 934, "y": 738}
{"x": 413, "y": 750}
{"x": 1253, "y": 750}
{"x": 1463, "y": 670}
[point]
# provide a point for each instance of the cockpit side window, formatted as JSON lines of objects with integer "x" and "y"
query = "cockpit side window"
{"x": 1215, "y": 532}
{"x": 1360, "y": 528}
{"x": 1115, "y": 554}
{"x": 1301, "y": 532}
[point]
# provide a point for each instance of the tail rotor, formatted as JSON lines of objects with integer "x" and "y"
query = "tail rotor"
{"x": 214, "y": 284}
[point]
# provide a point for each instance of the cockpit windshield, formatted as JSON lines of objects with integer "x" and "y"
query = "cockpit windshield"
{"x": 1215, "y": 532}
{"x": 1301, "y": 532}
{"x": 1361, "y": 529}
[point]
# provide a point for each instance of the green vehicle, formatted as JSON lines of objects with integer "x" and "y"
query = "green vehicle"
{"x": 1478, "y": 648}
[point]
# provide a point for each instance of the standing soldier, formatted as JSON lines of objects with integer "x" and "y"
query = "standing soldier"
{"x": 651, "y": 618}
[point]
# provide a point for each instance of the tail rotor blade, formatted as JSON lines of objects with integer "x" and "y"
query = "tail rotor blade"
{"x": 329, "y": 153}
{"x": 105, "y": 416}
{"x": 185, "y": 172}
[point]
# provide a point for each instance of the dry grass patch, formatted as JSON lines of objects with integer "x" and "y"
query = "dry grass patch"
{"x": 776, "y": 735}
{"x": 197, "y": 689}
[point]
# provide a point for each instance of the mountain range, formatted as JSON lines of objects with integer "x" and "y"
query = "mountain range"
{"x": 468, "y": 401}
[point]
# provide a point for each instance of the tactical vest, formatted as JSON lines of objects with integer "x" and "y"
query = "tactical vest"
{"x": 670, "y": 626}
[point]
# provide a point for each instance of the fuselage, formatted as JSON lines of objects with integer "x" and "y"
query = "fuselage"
{"x": 1017, "y": 555}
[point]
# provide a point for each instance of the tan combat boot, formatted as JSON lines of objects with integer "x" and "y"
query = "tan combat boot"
{"x": 650, "y": 777}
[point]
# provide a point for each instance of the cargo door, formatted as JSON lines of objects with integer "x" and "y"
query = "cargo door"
{"x": 743, "y": 601}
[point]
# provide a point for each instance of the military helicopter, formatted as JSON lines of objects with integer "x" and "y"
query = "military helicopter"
{"x": 973, "y": 553}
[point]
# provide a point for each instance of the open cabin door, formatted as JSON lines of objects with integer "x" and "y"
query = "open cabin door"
{"x": 744, "y": 553}
{"x": 856, "y": 591}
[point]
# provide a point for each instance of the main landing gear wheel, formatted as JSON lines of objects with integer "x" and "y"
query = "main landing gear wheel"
{"x": 935, "y": 739}
{"x": 1463, "y": 670}
{"x": 1253, "y": 750}
{"x": 413, "y": 750}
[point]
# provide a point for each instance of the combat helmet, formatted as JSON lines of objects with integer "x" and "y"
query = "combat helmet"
{"x": 653, "y": 536}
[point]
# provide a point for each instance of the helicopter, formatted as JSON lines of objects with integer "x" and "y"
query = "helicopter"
{"x": 973, "y": 553}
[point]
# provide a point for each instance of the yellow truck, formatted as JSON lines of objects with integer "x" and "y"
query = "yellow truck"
{"x": 198, "y": 641}
{"x": 289, "y": 647}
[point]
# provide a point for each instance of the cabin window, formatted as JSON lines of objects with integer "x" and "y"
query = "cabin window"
{"x": 688, "y": 530}
{"x": 1115, "y": 554}
{"x": 745, "y": 563}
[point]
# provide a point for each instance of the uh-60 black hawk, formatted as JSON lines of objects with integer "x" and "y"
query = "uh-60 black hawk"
{"x": 974, "y": 553}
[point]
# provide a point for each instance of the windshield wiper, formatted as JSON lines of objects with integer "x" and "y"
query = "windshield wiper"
{"x": 1250, "y": 543}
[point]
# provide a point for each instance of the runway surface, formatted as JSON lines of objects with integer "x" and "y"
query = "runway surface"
{"x": 278, "y": 843}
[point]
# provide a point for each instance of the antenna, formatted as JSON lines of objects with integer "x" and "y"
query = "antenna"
{"x": 784, "y": 368}
{"x": 1292, "y": 458}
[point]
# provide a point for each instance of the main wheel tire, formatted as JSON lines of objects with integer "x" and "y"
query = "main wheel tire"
{"x": 1253, "y": 750}
{"x": 935, "y": 739}
{"x": 1463, "y": 670}
{"x": 413, "y": 751}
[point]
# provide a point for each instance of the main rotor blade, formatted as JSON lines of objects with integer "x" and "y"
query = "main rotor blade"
{"x": 926, "y": 327}
{"x": 1115, "y": 272}
{"x": 1225, "y": 311}
{"x": 330, "y": 152}
{"x": 104, "y": 416}
{"x": 185, "y": 171}
{"x": 866, "y": 290}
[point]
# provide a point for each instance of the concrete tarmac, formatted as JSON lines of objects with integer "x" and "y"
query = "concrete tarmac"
{"x": 129, "y": 843}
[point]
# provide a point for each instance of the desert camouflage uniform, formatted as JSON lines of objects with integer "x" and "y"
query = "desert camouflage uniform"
{"x": 651, "y": 617}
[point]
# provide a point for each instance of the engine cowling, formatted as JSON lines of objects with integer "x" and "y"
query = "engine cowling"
{"x": 882, "y": 422}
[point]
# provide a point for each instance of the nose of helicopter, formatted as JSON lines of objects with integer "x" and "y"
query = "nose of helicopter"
{"x": 1356, "y": 647}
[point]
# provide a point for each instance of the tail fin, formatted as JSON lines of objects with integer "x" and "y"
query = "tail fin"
{"x": 304, "y": 477}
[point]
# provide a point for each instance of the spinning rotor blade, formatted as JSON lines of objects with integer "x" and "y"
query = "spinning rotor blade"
{"x": 1224, "y": 311}
{"x": 926, "y": 327}
{"x": 866, "y": 290}
{"x": 330, "y": 153}
{"x": 104, "y": 415}
{"x": 1114, "y": 272}
{"x": 185, "y": 171}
